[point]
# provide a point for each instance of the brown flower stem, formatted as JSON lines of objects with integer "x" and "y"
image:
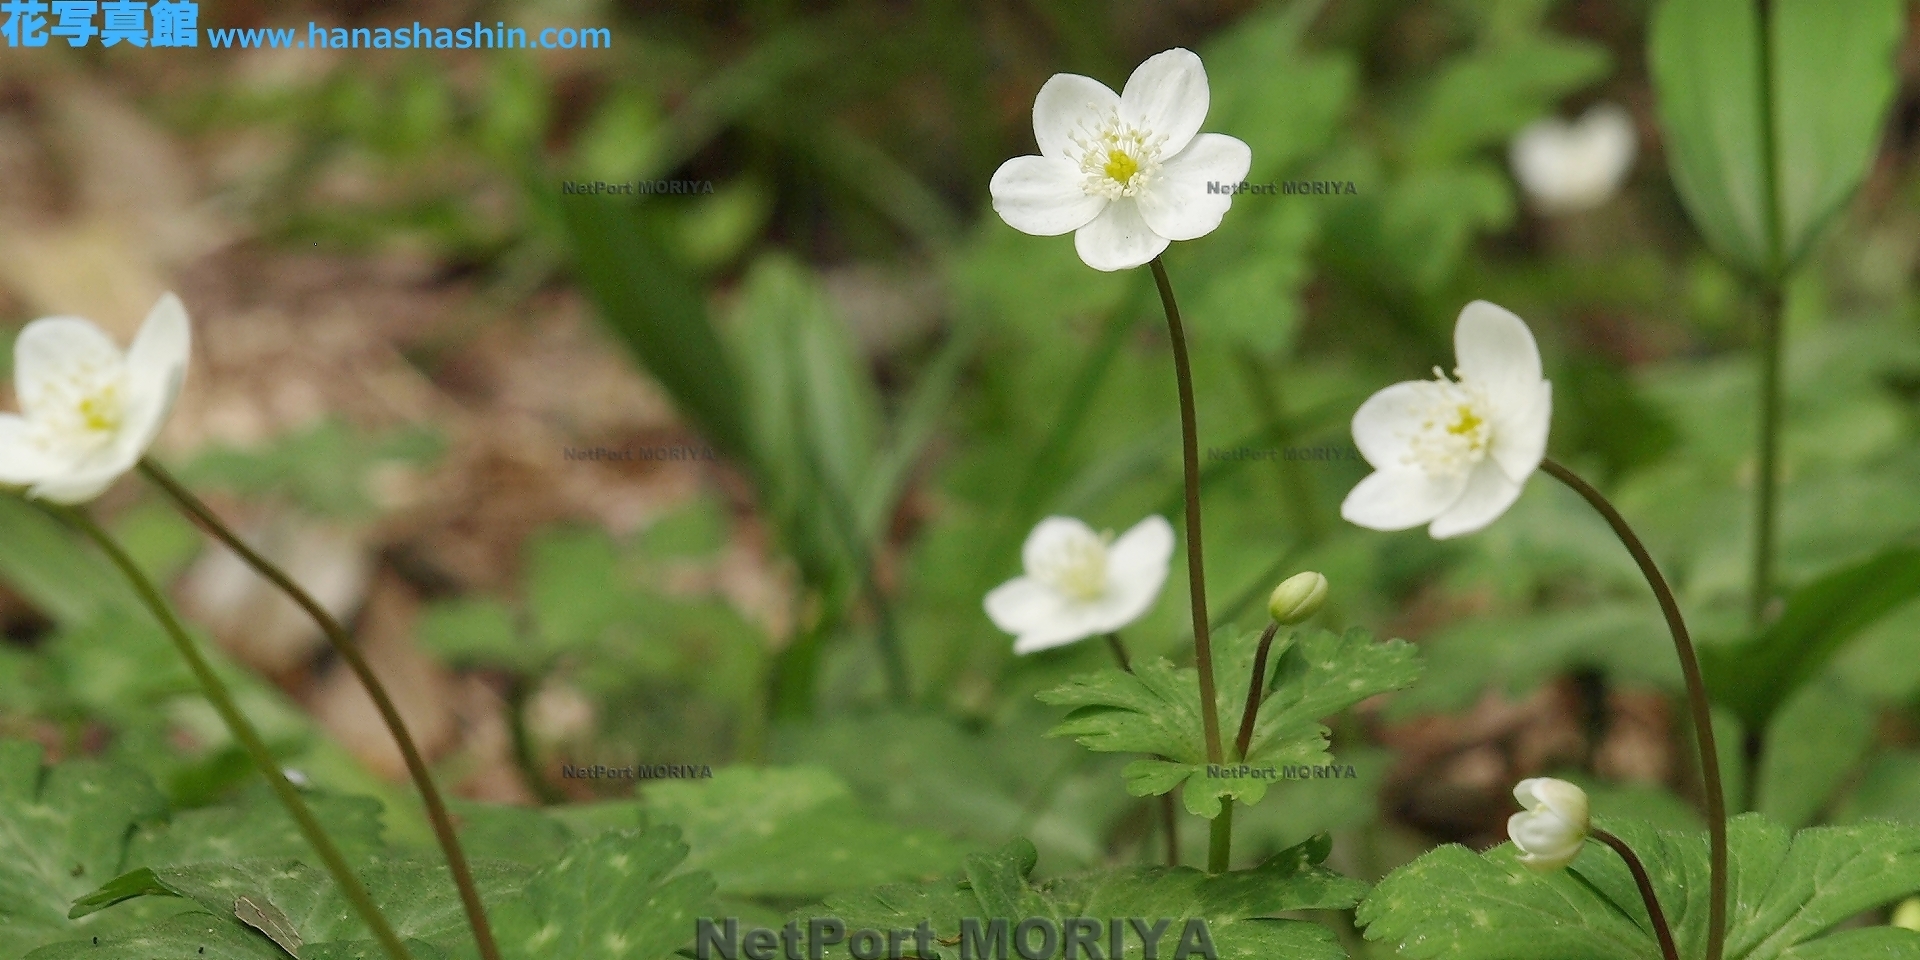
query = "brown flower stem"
{"x": 1696, "y": 698}
{"x": 1222, "y": 839}
{"x": 1169, "y": 818}
{"x": 243, "y": 731}
{"x": 1645, "y": 883}
{"x": 1252, "y": 711}
{"x": 344, "y": 646}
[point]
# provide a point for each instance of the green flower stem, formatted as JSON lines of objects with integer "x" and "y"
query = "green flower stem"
{"x": 1252, "y": 711}
{"x": 243, "y": 731}
{"x": 344, "y": 646}
{"x": 1196, "y": 574}
{"x": 1696, "y": 698}
{"x": 1766, "y": 497}
{"x": 1169, "y": 818}
{"x": 1220, "y": 838}
{"x": 1641, "y": 880}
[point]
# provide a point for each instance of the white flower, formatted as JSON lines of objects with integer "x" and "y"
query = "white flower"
{"x": 1078, "y": 585}
{"x": 1570, "y": 167}
{"x": 90, "y": 412}
{"x": 1125, "y": 173}
{"x": 1455, "y": 453}
{"x": 1550, "y": 832}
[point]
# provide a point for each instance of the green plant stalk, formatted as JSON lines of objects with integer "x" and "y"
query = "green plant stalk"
{"x": 1222, "y": 831}
{"x": 1641, "y": 880}
{"x": 349, "y": 653}
{"x": 1169, "y": 818}
{"x": 243, "y": 731}
{"x": 1696, "y": 699}
{"x": 1251, "y": 712}
{"x": 1771, "y": 345}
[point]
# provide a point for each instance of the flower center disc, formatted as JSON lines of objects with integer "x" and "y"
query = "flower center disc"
{"x": 1121, "y": 167}
{"x": 1077, "y": 568}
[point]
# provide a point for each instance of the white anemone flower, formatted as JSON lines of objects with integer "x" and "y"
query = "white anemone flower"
{"x": 1570, "y": 167}
{"x": 89, "y": 412}
{"x": 1079, "y": 583}
{"x": 1554, "y": 826}
{"x": 1125, "y": 173}
{"x": 1455, "y": 453}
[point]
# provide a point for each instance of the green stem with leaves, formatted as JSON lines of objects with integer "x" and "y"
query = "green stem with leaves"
{"x": 243, "y": 731}
{"x": 1221, "y": 841}
{"x": 1696, "y": 699}
{"x": 348, "y": 652}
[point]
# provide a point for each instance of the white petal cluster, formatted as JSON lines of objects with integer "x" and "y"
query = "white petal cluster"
{"x": 1570, "y": 167}
{"x": 88, "y": 411}
{"x": 1079, "y": 583}
{"x": 1551, "y": 830}
{"x": 1124, "y": 173}
{"x": 1455, "y": 453}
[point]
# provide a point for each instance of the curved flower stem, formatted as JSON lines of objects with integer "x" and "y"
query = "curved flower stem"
{"x": 243, "y": 731}
{"x": 1252, "y": 711}
{"x": 1169, "y": 818}
{"x": 1645, "y": 883}
{"x": 344, "y": 646}
{"x": 1222, "y": 839}
{"x": 1696, "y": 697}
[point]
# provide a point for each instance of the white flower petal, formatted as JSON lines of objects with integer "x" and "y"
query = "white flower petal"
{"x": 1043, "y": 196}
{"x": 83, "y": 482}
{"x": 156, "y": 370}
{"x": 1118, "y": 239}
{"x": 22, "y": 461}
{"x": 1384, "y": 426}
{"x": 1023, "y": 603}
{"x": 53, "y": 351}
{"x": 1167, "y": 95}
{"x": 1066, "y": 103}
{"x": 1137, "y": 570}
{"x": 1488, "y": 494}
{"x": 1565, "y": 800}
{"x": 1496, "y": 350}
{"x": 1570, "y": 167}
{"x": 1047, "y": 538}
{"x": 1520, "y": 435}
{"x": 1400, "y": 499}
{"x": 1177, "y": 204}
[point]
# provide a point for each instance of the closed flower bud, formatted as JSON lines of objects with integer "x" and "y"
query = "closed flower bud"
{"x": 1550, "y": 832}
{"x": 1297, "y": 598}
{"x": 1907, "y": 914}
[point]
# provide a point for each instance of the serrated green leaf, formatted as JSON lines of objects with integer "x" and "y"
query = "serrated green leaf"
{"x": 1155, "y": 710}
{"x": 62, "y": 832}
{"x": 1235, "y": 906}
{"x": 609, "y": 896}
{"x": 417, "y": 895}
{"x": 1784, "y": 891}
{"x": 257, "y": 826}
{"x": 794, "y": 832}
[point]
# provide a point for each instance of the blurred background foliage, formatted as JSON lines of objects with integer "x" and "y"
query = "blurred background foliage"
{"x": 896, "y": 386}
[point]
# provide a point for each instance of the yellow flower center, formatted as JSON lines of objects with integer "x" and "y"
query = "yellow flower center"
{"x": 1076, "y": 567}
{"x": 1117, "y": 157}
{"x": 101, "y": 411}
{"x": 1453, "y": 433}
{"x": 1121, "y": 167}
{"x": 1468, "y": 422}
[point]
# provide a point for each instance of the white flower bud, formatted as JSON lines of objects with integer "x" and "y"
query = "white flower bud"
{"x": 1907, "y": 914}
{"x": 1554, "y": 826}
{"x": 1297, "y": 598}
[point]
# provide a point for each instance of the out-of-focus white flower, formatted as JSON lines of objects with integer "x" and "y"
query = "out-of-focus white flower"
{"x": 1550, "y": 832}
{"x": 89, "y": 412}
{"x": 1125, "y": 173}
{"x": 1297, "y": 598}
{"x": 1078, "y": 585}
{"x": 1569, "y": 167}
{"x": 1455, "y": 453}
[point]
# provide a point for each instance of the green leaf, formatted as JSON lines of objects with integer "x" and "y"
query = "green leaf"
{"x": 477, "y": 632}
{"x": 257, "y": 826}
{"x": 1235, "y": 907}
{"x": 658, "y": 311}
{"x": 47, "y": 566}
{"x": 187, "y": 936}
{"x": 324, "y": 468}
{"x": 63, "y": 831}
{"x": 1485, "y": 97}
{"x": 1814, "y": 741}
{"x": 793, "y": 832}
{"x": 1833, "y": 78}
{"x": 1785, "y": 890}
{"x": 1156, "y": 709}
{"x": 1756, "y": 677}
{"x": 608, "y": 896}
